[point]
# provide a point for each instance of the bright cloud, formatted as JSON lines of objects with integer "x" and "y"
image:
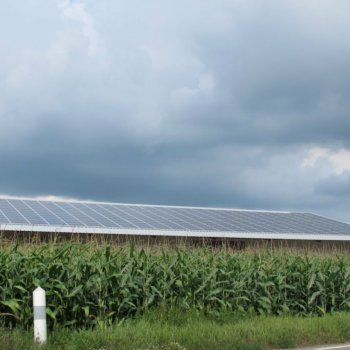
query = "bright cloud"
{"x": 76, "y": 11}
{"x": 338, "y": 160}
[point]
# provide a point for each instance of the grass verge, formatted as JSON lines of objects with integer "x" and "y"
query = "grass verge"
{"x": 192, "y": 331}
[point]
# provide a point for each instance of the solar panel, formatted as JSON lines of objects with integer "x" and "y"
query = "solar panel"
{"x": 112, "y": 218}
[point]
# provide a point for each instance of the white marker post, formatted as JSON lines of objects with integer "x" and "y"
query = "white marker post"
{"x": 39, "y": 308}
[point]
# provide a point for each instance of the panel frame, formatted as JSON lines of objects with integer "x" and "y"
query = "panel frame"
{"x": 172, "y": 233}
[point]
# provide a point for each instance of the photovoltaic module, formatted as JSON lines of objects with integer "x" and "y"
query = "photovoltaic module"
{"x": 112, "y": 218}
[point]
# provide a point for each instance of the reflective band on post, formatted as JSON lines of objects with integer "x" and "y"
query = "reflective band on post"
{"x": 39, "y": 312}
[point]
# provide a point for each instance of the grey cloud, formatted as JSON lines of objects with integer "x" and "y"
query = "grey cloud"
{"x": 335, "y": 187}
{"x": 186, "y": 103}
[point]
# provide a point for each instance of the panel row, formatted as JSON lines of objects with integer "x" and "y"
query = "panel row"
{"x": 99, "y": 215}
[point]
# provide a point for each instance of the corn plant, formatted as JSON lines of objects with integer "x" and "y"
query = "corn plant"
{"x": 89, "y": 287}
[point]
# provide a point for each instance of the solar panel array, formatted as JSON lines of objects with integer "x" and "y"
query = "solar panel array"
{"x": 71, "y": 214}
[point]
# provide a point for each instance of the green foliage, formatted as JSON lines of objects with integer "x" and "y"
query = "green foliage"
{"x": 89, "y": 287}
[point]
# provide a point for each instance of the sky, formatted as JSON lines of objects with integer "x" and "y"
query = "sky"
{"x": 225, "y": 103}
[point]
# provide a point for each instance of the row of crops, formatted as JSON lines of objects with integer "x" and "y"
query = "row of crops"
{"x": 88, "y": 286}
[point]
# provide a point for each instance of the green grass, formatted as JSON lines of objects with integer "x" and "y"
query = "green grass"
{"x": 193, "y": 331}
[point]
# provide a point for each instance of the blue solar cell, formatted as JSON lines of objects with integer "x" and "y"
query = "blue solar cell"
{"x": 151, "y": 220}
{"x": 168, "y": 221}
{"x": 76, "y": 210}
{"x": 104, "y": 218}
{"x": 125, "y": 213}
{"x": 11, "y": 213}
{"x": 64, "y": 215}
{"x": 27, "y": 212}
{"x": 188, "y": 221}
{"x": 108, "y": 210}
{"x": 3, "y": 218}
{"x": 45, "y": 213}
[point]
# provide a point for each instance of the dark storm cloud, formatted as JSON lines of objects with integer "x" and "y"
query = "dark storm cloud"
{"x": 215, "y": 103}
{"x": 335, "y": 186}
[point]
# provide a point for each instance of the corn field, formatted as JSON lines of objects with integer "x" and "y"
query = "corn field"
{"x": 98, "y": 286}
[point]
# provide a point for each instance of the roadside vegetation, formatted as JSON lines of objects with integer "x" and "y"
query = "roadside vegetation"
{"x": 103, "y": 297}
{"x": 191, "y": 331}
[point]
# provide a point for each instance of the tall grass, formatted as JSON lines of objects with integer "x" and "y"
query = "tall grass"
{"x": 88, "y": 287}
{"x": 156, "y": 331}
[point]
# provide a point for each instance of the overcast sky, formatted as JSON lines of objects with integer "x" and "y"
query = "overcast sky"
{"x": 213, "y": 103}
